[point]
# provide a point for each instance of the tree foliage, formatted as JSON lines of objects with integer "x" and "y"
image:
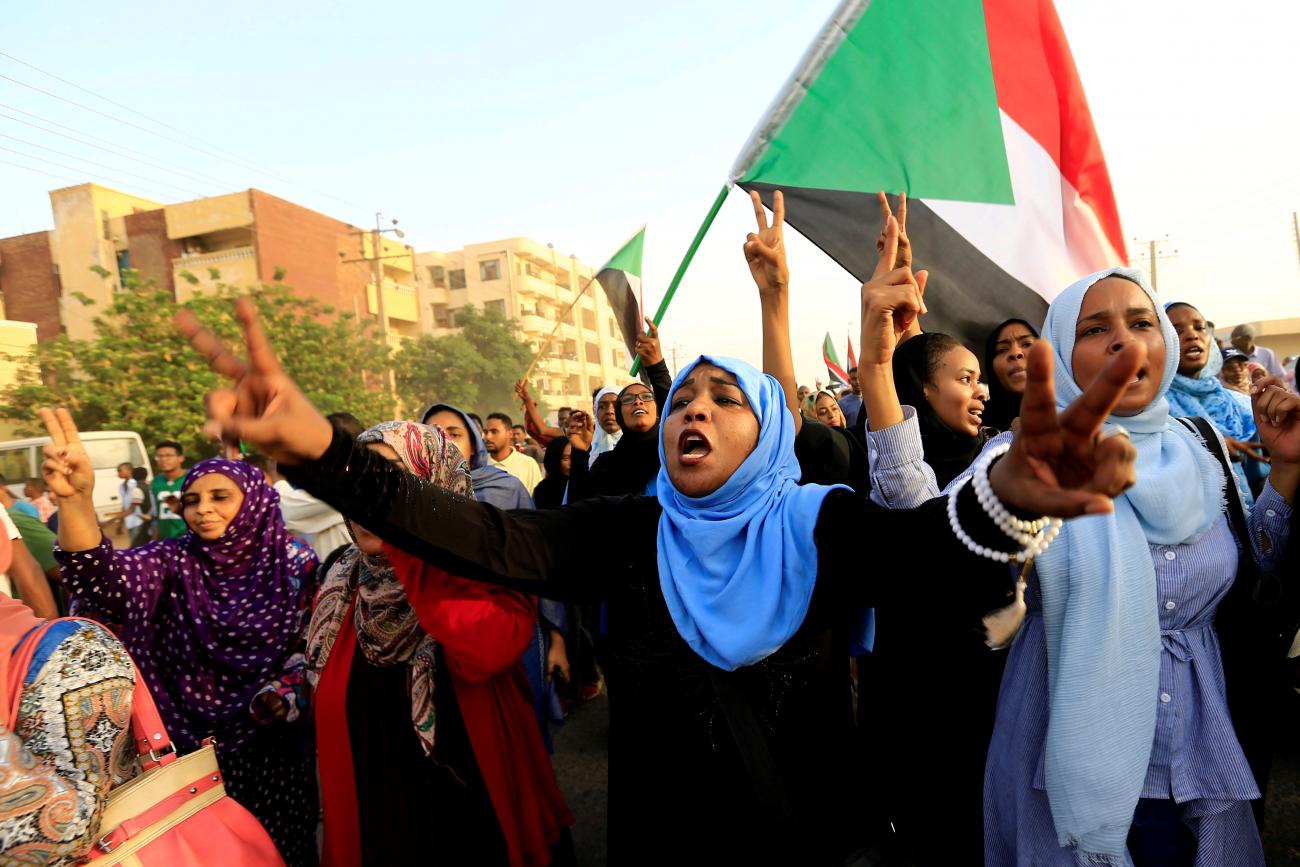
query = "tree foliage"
{"x": 475, "y": 369}
{"x": 138, "y": 373}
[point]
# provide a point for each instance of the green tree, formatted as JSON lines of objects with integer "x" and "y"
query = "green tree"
{"x": 475, "y": 369}
{"x": 138, "y": 373}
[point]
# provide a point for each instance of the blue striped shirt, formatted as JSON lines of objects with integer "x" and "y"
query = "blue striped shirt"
{"x": 1195, "y": 753}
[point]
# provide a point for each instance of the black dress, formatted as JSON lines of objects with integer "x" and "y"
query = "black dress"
{"x": 679, "y": 791}
{"x": 443, "y": 811}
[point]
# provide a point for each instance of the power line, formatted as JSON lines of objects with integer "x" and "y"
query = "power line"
{"x": 164, "y": 166}
{"x": 114, "y": 181}
{"x": 101, "y": 165}
{"x": 230, "y": 158}
{"x": 37, "y": 171}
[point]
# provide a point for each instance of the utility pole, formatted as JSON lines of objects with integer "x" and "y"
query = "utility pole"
{"x": 1295, "y": 228}
{"x": 1154, "y": 254}
{"x": 376, "y": 258}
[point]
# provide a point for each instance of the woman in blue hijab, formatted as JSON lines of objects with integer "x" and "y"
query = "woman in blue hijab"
{"x": 492, "y": 485}
{"x": 731, "y": 735}
{"x": 1126, "y": 733}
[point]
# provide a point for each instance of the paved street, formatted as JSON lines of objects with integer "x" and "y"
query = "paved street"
{"x": 581, "y": 766}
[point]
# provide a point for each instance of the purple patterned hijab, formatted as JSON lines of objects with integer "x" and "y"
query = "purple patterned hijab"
{"x": 225, "y": 616}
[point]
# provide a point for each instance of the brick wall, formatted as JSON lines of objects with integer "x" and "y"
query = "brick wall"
{"x": 28, "y": 283}
{"x": 150, "y": 249}
{"x": 307, "y": 245}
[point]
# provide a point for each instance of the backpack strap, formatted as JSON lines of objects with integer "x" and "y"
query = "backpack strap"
{"x": 1236, "y": 509}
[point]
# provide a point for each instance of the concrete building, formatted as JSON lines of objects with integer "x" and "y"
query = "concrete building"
{"x": 529, "y": 283}
{"x": 1280, "y": 335}
{"x": 16, "y": 341}
{"x": 248, "y": 237}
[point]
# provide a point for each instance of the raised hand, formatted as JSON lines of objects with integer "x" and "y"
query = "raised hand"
{"x": 263, "y": 407}
{"x": 67, "y": 468}
{"x": 765, "y": 249}
{"x": 1245, "y": 450}
{"x": 1061, "y": 464}
{"x": 891, "y": 300}
{"x": 647, "y": 345}
{"x": 521, "y": 392}
{"x": 902, "y": 257}
{"x": 1277, "y": 418}
{"x": 582, "y": 430}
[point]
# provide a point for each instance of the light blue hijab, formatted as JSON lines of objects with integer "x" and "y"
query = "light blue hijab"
{"x": 737, "y": 566}
{"x": 1099, "y": 602}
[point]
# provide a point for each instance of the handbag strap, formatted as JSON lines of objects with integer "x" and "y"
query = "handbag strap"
{"x": 1236, "y": 509}
{"x": 760, "y": 764}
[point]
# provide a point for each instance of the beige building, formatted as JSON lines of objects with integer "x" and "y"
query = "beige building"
{"x": 530, "y": 283}
{"x": 1280, "y": 335}
{"x": 239, "y": 239}
{"x": 17, "y": 340}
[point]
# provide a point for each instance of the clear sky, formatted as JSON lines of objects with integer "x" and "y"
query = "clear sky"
{"x": 576, "y": 122}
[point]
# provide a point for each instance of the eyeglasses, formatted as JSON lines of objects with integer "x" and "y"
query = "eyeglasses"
{"x": 638, "y": 397}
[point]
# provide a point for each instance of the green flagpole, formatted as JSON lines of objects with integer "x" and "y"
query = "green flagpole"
{"x": 686, "y": 263}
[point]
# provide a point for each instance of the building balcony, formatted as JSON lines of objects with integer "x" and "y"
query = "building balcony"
{"x": 236, "y": 266}
{"x": 532, "y": 324}
{"x": 400, "y": 301}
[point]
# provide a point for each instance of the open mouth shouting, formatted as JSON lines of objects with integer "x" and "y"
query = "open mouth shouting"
{"x": 693, "y": 447}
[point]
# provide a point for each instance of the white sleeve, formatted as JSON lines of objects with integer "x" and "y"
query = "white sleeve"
{"x": 9, "y": 524}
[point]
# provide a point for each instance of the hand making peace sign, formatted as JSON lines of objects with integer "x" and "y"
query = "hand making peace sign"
{"x": 67, "y": 468}
{"x": 262, "y": 407}
{"x": 765, "y": 249}
{"x": 892, "y": 299}
{"x": 903, "y": 254}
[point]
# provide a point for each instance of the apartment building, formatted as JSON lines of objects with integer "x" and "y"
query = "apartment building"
{"x": 532, "y": 284}
{"x": 242, "y": 239}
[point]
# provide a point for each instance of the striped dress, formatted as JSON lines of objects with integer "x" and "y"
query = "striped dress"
{"x": 1196, "y": 759}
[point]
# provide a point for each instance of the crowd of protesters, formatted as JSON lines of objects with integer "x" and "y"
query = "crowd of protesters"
{"x": 1026, "y": 605}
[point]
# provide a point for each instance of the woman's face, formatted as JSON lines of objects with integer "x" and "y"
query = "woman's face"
{"x": 638, "y": 408}
{"x": 453, "y": 427}
{"x": 956, "y": 394}
{"x": 1234, "y": 373}
{"x": 1193, "y": 339}
{"x": 566, "y": 459}
{"x": 708, "y": 432}
{"x": 1115, "y": 313}
{"x": 367, "y": 541}
{"x": 210, "y": 504}
{"x": 1009, "y": 354}
{"x": 828, "y": 411}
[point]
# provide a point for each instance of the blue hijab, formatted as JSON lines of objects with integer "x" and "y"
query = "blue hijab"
{"x": 1204, "y": 395}
{"x": 737, "y": 566}
{"x": 492, "y": 485}
{"x": 1098, "y": 588}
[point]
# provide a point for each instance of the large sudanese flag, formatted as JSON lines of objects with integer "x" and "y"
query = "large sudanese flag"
{"x": 621, "y": 280}
{"x": 976, "y": 111}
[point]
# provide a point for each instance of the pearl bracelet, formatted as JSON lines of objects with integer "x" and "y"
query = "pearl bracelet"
{"x": 1033, "y": 536}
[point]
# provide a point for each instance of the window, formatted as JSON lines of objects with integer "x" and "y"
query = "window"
{"x": 441, "y": 316}
{"x": 593, "y": 353}
{"x": 614, "y": 330}
{"x": 589, "y": 319}
{"x": 574, "y": 385}
{"x": 498, "y": 307}
{"x": 107, "y": 454}
{"x": 456, "y": 277}
{"x": 438, "y": 276}
{"x": 489, "y": 269}
{"x": 616, "y": 357}
{"x": 123, "y": 261}
{"x": 532, "y": 270}
{"x": 15, "y": 465}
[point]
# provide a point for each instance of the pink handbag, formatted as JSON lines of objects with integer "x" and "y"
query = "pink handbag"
{"x": 176, "y": 813}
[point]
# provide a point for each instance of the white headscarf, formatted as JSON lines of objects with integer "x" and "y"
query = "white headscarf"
{"x": 602, "y": 442}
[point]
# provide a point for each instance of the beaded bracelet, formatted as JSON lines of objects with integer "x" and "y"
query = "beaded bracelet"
{"x": 1034, "y": 536}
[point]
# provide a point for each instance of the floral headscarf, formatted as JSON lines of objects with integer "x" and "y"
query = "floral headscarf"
{"x": 388, "y": 631}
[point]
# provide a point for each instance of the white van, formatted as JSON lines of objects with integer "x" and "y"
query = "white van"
{"x": 21, "y": 460}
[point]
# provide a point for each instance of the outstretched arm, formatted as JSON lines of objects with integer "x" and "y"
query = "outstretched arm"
{"x": 765, "y": 253}
{"x": 533, "y": 422}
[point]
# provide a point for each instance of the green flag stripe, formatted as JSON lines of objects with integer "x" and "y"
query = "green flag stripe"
{"x": 629, "y": 257}
{"x": 906, "y": 102}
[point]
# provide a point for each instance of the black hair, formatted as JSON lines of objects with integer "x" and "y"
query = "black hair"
{"x": 478, "y": 422}
{"x": 38, "y": 482}
{"x": 259, "y": 460}
{"x": 140, "y": 474}
{"x": 519, "y": 427}
{"x": 347, "y": 422}
{"x": 170, "y": 444}
{"x": 501, "y": 417}
{"x": 853, "y": 369}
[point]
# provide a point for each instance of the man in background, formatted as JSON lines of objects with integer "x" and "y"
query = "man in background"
{"x": 1243, "y": 339}
{"x": 851, "y": 403}
{"x": 36, "y": 494}
{"x": 169, "y": 458}
{"x": 499, "y": 439}
{"x": 525, "y": 446}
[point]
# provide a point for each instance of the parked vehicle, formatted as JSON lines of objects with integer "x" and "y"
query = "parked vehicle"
{"x": 21, "y": 460}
